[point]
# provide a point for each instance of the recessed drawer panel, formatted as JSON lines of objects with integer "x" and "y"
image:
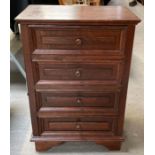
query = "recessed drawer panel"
{"x": 71, "y": 37}
{"x": 107, "y": 100}
{"x": 105, "y": 124}
{"x": 105, "y": 71}
{"x": 78, "y": 126}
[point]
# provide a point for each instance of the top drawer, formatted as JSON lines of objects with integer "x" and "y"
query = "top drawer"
{"x": 75, "y": 37}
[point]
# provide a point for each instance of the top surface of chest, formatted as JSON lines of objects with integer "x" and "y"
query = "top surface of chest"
{"x": 80, "y": 14}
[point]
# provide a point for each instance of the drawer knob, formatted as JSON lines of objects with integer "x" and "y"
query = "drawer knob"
{"x": 78, "y": 126}
{"x": 78, "y": 41}
{"x": 78, "y": 101}
{"x": 77, "y": 73}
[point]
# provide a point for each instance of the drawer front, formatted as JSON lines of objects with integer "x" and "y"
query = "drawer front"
{"x": 106, "y": 71}
{"x": 71, "y": 126}
{"x": 107, "y": 100}
{"x": 100, "y": 124}
{"x": 100, "y": 38}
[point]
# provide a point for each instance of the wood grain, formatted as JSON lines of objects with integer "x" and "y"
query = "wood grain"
{"x": 80, "y": 99}
{"x": 86, "y": 37}
{"x": 77, "y": 63}
{"x": 80, "y": 14}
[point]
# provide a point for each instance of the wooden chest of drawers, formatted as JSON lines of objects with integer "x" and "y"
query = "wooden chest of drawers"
{"x": 77, "y": 61}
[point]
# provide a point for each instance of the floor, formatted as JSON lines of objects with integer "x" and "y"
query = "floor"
{"x": 20, "y": 118}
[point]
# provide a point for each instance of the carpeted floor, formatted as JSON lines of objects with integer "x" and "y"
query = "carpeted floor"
{"x": 20, "y": 119}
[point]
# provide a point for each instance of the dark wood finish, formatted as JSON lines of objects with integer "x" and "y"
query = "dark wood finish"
{"x": 81, "y": 126}
{"x": 77, "y": 14}
{"x": 74, "y": 111}
{"x": 77, "y": 63}
{"x": 111, "y": 145}
{"x": 100, "y": 38}
{"x": 105, "y": 71}
{"x": 67, "y": 136}
{"x": 57, "y": 56}
{"x": 62, "y": 86}
{"x": 80, "y": 99}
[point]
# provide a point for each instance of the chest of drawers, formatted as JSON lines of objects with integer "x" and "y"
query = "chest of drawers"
{"x": 77, "y": 61}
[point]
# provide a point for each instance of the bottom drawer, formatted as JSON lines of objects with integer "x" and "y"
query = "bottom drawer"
{"x": 80, "y": 124}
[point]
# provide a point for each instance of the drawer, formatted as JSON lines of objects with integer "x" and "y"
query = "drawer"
{"x": 75, "y": 37}
{"x": 83, "y": 126}
{"x": 108, "y": 71}
{"x": 106, "y": 100}
{"x": 99, "y": 124}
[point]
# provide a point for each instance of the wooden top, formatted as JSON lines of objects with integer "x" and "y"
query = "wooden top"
{"x": 60, "y": 13}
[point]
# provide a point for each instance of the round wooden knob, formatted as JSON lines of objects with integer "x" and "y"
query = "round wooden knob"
{"x": 78, "y": 101}
{"x": 77, "y": 73}
{"x": 78, "y": 126}
{"x": 78, "y": 42}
